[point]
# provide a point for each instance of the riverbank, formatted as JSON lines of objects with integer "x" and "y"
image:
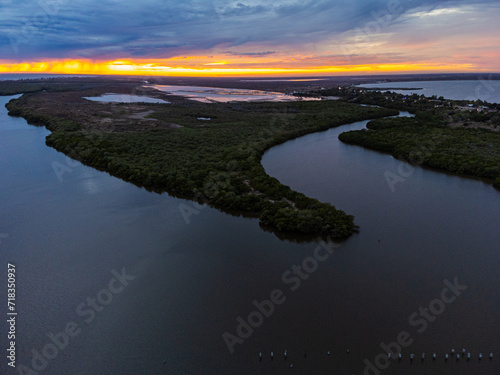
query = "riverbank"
{"x": 215, "y": 162}
{"x": 422, "y": 141}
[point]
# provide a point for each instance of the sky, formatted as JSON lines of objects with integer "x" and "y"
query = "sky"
{"x": 249, "y": 37}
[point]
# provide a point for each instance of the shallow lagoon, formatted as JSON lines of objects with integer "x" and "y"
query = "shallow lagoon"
{"x": 217, "y": 94}
{"x": 121, "y": 98}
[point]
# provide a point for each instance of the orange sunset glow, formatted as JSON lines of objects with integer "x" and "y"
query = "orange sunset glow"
{"x": 217, "y": 68}
{"x": 226, "y": 38}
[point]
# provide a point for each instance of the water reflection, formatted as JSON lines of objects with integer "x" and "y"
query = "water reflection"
{"x": 122, "y": 98}
{"x": 217, "y": 94}
{"x": 483, "y": 89}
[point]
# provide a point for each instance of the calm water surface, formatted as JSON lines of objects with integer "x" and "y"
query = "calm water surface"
{"x": 217, "y": 94}
{"x": 67, "y": 231}
{"x": 483, "y": 89}
{"x": 123, "y": 98}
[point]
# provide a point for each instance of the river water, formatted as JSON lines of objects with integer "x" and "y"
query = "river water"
{"x": 185, "y": 281}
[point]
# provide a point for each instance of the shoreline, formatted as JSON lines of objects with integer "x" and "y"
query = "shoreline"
{"x": 304, "y": 216}
{"x": 432, "y": 147}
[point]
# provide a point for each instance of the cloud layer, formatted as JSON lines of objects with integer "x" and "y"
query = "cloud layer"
{"x": 316, "y": 33}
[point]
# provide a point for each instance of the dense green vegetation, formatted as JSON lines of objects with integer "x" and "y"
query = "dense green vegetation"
{"x": 215, "y": 162}
{"x": 424, "y": 141}
{"x": 453, "y": 135}
{"x": 408, "y": 102}
{"x": 464, "y": 112}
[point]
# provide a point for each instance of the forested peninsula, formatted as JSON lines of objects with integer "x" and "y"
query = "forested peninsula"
{"x": 172, "y": 147}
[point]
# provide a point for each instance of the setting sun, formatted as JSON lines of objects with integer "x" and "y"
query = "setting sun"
{"x": 237, "y": 68}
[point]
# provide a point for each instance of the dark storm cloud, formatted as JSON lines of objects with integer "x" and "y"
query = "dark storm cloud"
{"x": 155, "y": 28}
